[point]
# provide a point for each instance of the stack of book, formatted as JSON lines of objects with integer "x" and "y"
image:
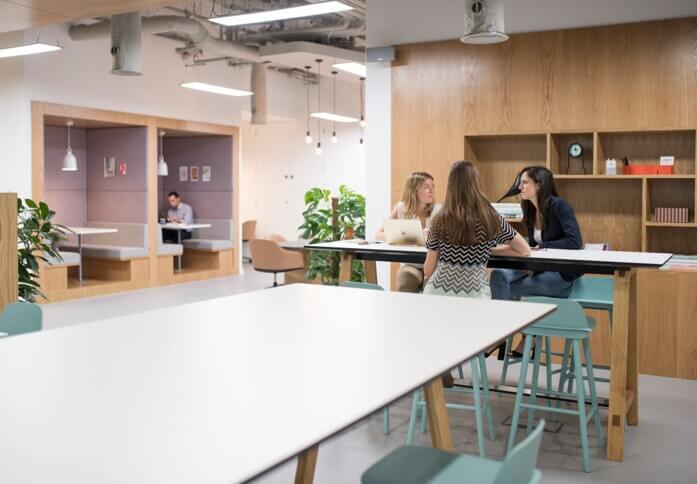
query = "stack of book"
{"x": 670, "y": 215}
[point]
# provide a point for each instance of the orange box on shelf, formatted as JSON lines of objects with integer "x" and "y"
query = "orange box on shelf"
{"x": 648, "y": 170}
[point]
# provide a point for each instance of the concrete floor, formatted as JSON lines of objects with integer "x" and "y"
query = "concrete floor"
{"x": 663, "y": 449}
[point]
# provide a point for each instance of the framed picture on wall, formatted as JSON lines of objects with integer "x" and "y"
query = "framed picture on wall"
{"x": 205, "y": 173}
{"x": 109, "y": 166}
{"x": 123, "y": 168}
{"x": 193, "y": 176}
{"x": 183, "y": 173}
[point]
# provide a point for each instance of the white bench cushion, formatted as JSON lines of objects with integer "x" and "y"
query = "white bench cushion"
{"x": 170, "y": 249}
{"x": 69, "y": 259}
{"x": 113, "y": 252}
{"x": 220, "y": 229}
{"x": 208, "y": 244}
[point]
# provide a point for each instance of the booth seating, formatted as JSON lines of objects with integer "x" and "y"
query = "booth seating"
{"x": 54, "y": 274}
{"x": 217, "y": 237}
{"x": 165, "y": 257}
{"x": 118, "y": 256}
{"x": 209, "y": 253}
{"x": 171, "y": 250}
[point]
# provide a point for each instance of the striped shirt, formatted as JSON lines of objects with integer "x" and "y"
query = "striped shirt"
{"x": 461, "y": 269}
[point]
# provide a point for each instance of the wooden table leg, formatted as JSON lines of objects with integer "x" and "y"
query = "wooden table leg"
{"x": 623, "y": 364}
{"x": 305, "y": 472}
{"x": 632, "y": 355}
{"x": 371, "y": 272}
{"x": 345, "y": 267}
{"x": 438, "y": 415}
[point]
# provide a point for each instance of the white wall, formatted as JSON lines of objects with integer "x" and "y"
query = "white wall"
{"x": 279, "y": 167}
{"x": 79, "y": 75}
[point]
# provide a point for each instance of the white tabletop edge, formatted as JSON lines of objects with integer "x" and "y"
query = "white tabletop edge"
{"x": 91, "y": 230}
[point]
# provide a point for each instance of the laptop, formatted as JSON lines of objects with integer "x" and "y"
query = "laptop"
{"x": 404, "y": 232}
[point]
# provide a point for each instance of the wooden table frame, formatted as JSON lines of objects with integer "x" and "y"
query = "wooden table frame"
{"x": 624, "y": 367}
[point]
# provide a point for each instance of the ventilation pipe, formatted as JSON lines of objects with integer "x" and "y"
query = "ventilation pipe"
{"x": 258, "y": 101}
{"x": 484, "y": 22}
{"x": 125, "y": 44}
{"x": 186, "y": 29}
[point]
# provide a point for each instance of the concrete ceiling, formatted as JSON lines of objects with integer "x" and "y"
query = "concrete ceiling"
{"x": 393, "y": 22}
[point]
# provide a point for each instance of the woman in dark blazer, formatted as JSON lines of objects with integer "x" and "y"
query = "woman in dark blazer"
{"x": 551, "y": 224}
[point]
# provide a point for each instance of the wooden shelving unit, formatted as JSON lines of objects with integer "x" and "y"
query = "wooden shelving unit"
{"x": 613, "y": 209}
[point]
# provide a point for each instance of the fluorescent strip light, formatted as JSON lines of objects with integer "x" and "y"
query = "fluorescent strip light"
{"x": 37, "y": 48}
{"x": 282, "y": 14}
{"x": 205, "y": 87}
{"x": 334, "y": 117}
{"x": 352, "y": 68}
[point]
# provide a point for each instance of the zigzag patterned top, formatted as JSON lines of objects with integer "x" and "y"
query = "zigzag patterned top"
{"x": 461, "y": 269}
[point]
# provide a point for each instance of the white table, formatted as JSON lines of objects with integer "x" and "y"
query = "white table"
{"x": 2, "y": 335}
{"x": 624, "y": 364}
{"x": 175, "y": 395}
{"x": 80, "y": 231}
{"x": 179, "y": 228}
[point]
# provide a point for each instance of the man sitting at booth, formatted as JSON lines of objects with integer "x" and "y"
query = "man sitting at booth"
{"x": 180, "y": 213}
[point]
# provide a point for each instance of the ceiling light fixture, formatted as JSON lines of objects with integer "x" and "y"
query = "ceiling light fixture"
{"x": 162, "y": 169}
{"x": 69, "y": 160}
{"x": 28, "y": 49}
{"x": 352, "y": 68}
{"x": 318, "y": 149}
{"x": 308, "y": 136}
{"x": 334, "y": 117}
{"x": 335, "y": 139}
{"x": 212, "y": 88}
{"x": 282, "y": 14}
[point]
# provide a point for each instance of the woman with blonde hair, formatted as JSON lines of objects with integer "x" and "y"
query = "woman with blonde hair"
{"x": 418, "y": 202}
{"x": 463, "y": 236}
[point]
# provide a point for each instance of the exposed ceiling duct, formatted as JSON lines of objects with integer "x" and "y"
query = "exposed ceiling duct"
{"x": 125, "y": 44}
{"x": 259, "y": 100}
{"x": 484, "y": 23}
{"x": 185, "y": 29}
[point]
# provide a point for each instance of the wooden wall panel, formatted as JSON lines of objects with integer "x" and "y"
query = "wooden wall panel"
{"x": 8, "y": 248}
{"x": 634, "y": 76}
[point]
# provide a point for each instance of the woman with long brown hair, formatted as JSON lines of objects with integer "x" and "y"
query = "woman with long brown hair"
{"x": 463, "y": 235}
{"x": 418, "y": 202}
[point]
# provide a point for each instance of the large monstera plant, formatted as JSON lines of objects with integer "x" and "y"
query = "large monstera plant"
{"x": 321, "y": 224}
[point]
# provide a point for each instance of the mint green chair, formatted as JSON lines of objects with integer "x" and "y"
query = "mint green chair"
{"x": 592, "y": 292}
{"x": 418, "y": 465}
{"x": 569, "y": 322}
{"x": 20, "y": 317}
{"x": 481, "y": 406}
{"x": 375, "y": 287}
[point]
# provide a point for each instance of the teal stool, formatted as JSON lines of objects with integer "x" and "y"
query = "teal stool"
{"x": 376, "y": 287}
{"x": 592, "y": 293}
{"x": 569, "y": 322}
{"x": 481, "y": 407}
{"x": 418, "y": 465}
{"x": 596, "y": 292}
{"x": 20, "y": 317}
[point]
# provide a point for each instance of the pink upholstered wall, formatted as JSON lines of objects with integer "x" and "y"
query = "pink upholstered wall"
{"x": 208, "y": 199}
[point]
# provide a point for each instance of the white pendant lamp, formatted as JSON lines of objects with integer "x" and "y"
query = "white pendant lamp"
{"x": 308, "y": 136}
{"x": 335, "y": 138}
{"x": 162, "y": 169}
{"x": 318, "y": 148}
{"x": 69, "y": 160}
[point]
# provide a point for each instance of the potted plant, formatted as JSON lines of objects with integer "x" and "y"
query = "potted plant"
{"x": 37, "y": 235}
{"x": 327, "y": 219}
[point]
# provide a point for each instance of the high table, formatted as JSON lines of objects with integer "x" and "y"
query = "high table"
{"x": 80, "y": 231}
{"x": 624, "y": 368}
{"x": 177, "y": 395}
{"x": 179, "y": 228}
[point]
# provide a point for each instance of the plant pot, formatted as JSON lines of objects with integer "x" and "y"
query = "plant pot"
{"x": 349, "y": 234}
